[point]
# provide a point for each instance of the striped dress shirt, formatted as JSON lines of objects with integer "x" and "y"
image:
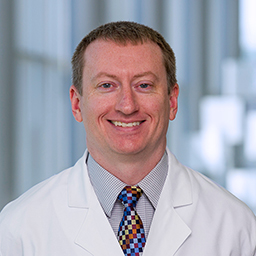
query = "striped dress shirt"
{"x": 107, "y": 188}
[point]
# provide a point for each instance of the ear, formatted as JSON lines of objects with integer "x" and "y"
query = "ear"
{"x": 75, "y": 99}
{"x": 174, "y": 101}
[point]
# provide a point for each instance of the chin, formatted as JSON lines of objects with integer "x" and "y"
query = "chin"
{"x": 128, "y": 150}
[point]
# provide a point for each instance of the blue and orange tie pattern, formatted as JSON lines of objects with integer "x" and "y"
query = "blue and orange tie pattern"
{"x": 131, "y": 232}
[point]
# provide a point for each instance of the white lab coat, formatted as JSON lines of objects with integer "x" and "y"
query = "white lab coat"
{"x": 62, "y": 216}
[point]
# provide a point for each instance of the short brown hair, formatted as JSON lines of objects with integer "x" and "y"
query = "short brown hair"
{"x": 122, "y": 32}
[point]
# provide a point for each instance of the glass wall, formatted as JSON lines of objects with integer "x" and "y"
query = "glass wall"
{"x": 42, "y": 77}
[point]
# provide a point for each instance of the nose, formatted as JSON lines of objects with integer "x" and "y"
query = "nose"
{"x": 126, "y": 101}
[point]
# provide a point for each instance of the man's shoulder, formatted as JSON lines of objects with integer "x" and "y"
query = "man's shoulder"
{"x": 42, "y": 195}
{"x": 36, "y": 196}
{"x": 205, "y": 192}
{"x": 217, "y": 201}
{"x": 44, "y": 209}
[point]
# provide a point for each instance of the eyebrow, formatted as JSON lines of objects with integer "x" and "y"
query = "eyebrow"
{"x": 104, "y": 74}
{"x": 146, "y": 74}
{"x": 115, "y": 77}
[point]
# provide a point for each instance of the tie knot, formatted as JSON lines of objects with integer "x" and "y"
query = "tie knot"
{"x": 130, "y": 195}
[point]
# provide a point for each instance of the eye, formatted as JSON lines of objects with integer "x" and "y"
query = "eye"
{"x": 144, "y": 86}
{"x": 106, "y": 85}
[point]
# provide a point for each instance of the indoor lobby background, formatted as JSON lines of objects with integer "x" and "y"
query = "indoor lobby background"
{"x": 215, "y": 46}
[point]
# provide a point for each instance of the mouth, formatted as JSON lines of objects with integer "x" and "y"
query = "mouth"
{"x": 122, "y": 124}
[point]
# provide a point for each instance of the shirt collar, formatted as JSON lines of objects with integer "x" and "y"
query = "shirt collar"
{"x": 107, "y": 187}
{"x": 153, "y": 183}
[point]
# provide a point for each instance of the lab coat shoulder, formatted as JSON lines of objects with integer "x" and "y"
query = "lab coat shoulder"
{"x": 219, "y": 222}
{"x": 216, "y": 199}
{"x": 44, "y": 213}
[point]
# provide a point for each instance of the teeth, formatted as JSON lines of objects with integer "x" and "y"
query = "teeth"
{"x": 117, "y": 123}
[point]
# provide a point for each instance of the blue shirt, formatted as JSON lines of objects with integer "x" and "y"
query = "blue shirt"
{"x": 107, "y": 188}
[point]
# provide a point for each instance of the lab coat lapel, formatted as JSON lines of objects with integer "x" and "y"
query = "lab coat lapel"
{"x": 96, "y": 235}
{"x": 168, "y": 230}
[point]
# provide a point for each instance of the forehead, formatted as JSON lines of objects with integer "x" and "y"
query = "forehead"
{"x": 109, "y": 53}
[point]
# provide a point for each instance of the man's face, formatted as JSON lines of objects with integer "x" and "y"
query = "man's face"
{"x": 125, "y": 106}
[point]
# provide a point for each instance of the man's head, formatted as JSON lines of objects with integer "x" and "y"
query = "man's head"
{"x": 123, "y": 100}
{"x": 123, "y": 32}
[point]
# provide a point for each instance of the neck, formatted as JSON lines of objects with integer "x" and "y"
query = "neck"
{"x": 130, "y": 169}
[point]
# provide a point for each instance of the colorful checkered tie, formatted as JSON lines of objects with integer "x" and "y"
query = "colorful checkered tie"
{"x": 131, "y": 232}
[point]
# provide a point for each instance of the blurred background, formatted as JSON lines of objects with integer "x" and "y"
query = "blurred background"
{"x": 215, "y": 46}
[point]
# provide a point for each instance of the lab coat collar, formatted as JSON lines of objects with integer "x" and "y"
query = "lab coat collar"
{"x": 95, "y": 235}
{"x": 168, "y": 230}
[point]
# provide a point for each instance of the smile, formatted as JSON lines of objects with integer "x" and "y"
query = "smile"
{"x": 121, "y": 124}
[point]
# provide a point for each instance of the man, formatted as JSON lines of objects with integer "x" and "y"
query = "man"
{"x": 125, "y": 92}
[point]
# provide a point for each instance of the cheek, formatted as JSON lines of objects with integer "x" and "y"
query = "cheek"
{"x": 160, "y": 107}
{"x": 93, "y": 111}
